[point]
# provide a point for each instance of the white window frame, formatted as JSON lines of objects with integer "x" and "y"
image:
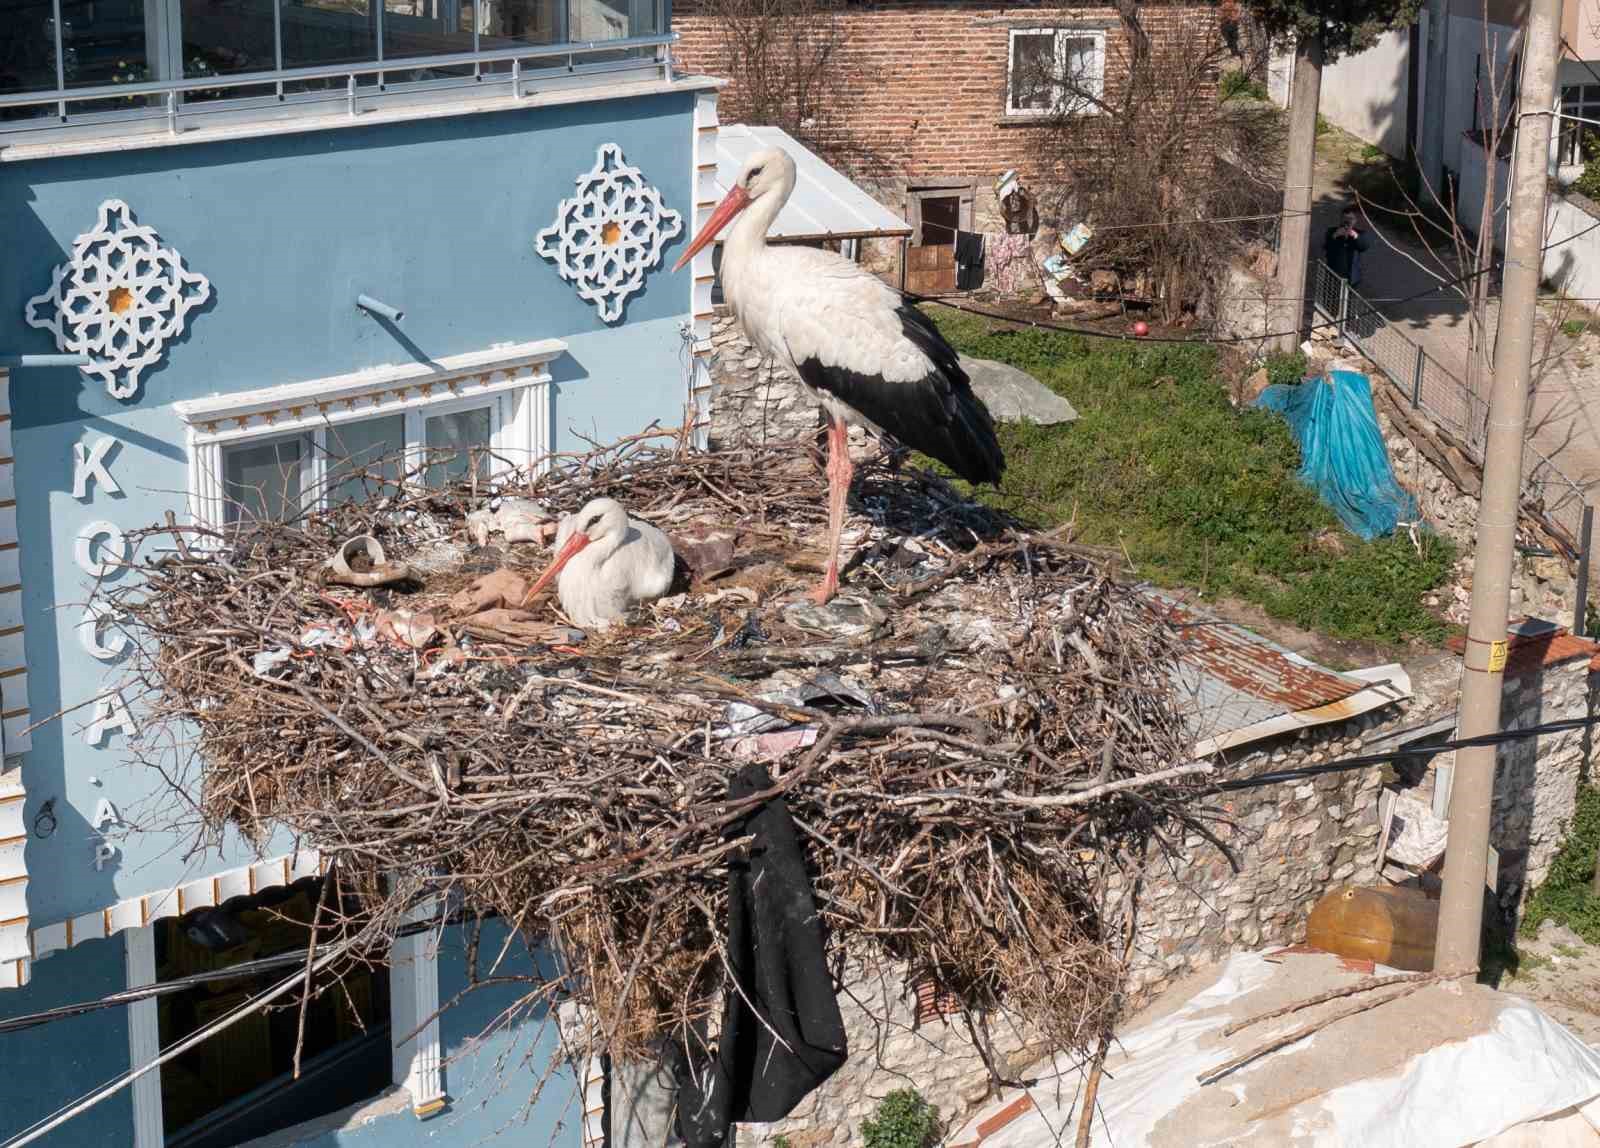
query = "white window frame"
{"x": 512, "y": 381}
{"x": 1058, "y": 104}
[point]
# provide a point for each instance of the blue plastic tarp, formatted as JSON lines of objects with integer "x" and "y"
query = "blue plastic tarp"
{"x": 1343, "y": 456}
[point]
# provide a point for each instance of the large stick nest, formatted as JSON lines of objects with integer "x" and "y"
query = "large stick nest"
{"x": 966, "y": 748}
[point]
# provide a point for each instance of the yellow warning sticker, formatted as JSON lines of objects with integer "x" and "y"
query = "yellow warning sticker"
{"x": 1497, "y": 656}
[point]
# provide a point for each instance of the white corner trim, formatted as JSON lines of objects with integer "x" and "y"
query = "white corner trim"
{"x": 201, "y": 892}
{"x": 144, "y": 1040}
{"x": 702, "y": 273}
{"x": 470, "y": 373}
{"x": 417, "y": 1050}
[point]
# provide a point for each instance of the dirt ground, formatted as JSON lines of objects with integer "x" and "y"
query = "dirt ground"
{"x": 1560, "y": 973}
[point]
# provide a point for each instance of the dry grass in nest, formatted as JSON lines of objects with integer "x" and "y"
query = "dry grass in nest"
{"x": 964, "y": 767}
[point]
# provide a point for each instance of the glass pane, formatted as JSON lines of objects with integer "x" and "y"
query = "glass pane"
{"x": 516, "y": 22}
{"x": 365, "y": 458}
{"x": 426, "y": 28}
{"x": 1032, "y": 71}
{"x": 1080, "y": 58}
{"x": 328, "y": 32}
{"x": 450, "y": 440}
{"x": 223, "y": 38}
{"x": 597, "y": 19}
{"x": 262, "y": 480}
{"x": 27, "y": 52}
{"x": 105, "y": 42}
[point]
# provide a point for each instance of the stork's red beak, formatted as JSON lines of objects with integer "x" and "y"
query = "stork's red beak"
{"x": 732, "y": 204}
{"x": 574, "y": 544}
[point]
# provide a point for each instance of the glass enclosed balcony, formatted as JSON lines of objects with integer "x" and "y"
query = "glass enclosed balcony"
{"x": 170, "y": 65}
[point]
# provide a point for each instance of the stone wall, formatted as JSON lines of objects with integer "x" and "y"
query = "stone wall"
{"x": 754, "y": 401}
{"x": 1537, "y": 779}
{"x": 1292, "y": 842}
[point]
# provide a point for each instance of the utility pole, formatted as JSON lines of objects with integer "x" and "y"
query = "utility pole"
{"x": 1472, "y": 786}
{"x": 1294, "y": 242}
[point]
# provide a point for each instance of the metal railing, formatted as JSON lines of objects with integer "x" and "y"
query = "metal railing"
{"x": 151, "y": 105}
{"x": 1432, "y": 388}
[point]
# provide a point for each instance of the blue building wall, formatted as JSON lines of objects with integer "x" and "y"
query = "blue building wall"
{"x": 45, "y": 1069}
{"x": 435, "y": 216}
{"x": 491, "y": 1079}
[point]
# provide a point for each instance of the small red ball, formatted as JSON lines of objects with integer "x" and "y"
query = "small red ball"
{"x": 1141, "y": 328}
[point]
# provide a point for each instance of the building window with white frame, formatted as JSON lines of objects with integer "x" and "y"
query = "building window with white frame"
{"x": 1055, "y": 71}
{"x": 279, "y": 452}
{"x": 1580, "y": 123}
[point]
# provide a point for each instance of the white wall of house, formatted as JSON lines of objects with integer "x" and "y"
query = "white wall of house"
{"x": 1366, "y": 94}
{"x": 1280, "y": 75}
{"x": 1470, "y": 42}
{"x": 1572, "y": 234}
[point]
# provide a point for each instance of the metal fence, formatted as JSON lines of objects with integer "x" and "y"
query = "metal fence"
{"x": 1432, "y": 388}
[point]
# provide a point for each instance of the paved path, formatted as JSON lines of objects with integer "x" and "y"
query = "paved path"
{"x": 1399, "y": 274}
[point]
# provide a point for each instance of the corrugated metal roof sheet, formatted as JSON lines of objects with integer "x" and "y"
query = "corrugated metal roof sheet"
{"x": 1238, "y": 687}
{"x": 825, "y": 204}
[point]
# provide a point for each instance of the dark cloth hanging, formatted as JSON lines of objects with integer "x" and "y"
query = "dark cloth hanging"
{"x": 782, "y": 1033}
{"x": 969, "y": 260}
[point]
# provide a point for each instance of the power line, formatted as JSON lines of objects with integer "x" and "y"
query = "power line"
{"x": 1274, "y": 777}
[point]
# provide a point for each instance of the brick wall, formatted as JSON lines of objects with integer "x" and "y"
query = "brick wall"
{"x": 922, "y": 89}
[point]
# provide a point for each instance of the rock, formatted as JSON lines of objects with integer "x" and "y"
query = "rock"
{"x": 1013, "y": 395}
{"x": 1254, "y": 385}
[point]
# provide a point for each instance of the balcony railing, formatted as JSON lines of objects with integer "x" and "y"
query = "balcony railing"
{"x": 178, "y": 104}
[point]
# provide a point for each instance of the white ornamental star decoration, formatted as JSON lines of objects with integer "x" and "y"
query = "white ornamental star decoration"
{"x": 119, "y": 299}
{"x": 609, "y": 234}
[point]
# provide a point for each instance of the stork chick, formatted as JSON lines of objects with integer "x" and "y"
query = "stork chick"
{"x": 606, "y": 562}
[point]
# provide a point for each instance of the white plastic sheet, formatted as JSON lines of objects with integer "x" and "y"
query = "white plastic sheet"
{"x": 1459, "y": 1093}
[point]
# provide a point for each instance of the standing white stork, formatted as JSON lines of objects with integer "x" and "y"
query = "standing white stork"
{"x": 606, "y": 561}
{"x": 870, "y": 357}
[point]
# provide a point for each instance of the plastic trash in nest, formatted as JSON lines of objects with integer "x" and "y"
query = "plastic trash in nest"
{"x": 1342, "y": 452}
{"x": 268, "y": 660}
{"x": 743, "y": 719}
{"x": 1006, "y": 184}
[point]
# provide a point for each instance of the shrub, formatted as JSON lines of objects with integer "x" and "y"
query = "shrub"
{"x": 1236, "y": 84}
{"x": 903, "y": 1119}
{"x": 1566, "y": 897}
{"x": 1289, "y": 367}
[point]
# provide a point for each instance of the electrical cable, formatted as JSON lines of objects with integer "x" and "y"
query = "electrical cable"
{"x": 117, "y": 1084}
{"x": 1343, "y": 765}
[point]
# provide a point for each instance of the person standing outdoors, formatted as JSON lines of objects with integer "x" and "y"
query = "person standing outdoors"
{"x": 1342, "y": 248}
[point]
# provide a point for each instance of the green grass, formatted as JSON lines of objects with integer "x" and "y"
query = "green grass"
{"x": 1566, "y": 896}
{"x": 1236, "y": 84}
{"x": 1197, "y": 493}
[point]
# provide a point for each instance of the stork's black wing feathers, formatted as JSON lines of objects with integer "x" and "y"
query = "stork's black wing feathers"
{"x": 937, "y": 415}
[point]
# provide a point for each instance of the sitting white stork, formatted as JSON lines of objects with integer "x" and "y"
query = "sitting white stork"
{"x": 607, "y": 562}
{"x": 870, "y": 357}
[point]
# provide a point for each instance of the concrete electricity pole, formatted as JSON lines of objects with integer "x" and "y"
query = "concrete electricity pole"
{"x": 1472, "y": 786}
{"x": 1294, "y": 242}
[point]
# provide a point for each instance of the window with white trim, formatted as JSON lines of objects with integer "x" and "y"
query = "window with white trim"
{"x": 1055, "y": 71}
{"x": 279, "y": 452}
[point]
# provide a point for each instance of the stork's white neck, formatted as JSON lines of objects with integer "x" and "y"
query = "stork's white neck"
{"x": 747, "y": 239}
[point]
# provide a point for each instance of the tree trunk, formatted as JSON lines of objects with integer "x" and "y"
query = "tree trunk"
{"x": 1294, "y": 246}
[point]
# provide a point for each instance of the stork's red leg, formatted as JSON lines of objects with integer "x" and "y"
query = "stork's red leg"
{"x": 840, "y": 471}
